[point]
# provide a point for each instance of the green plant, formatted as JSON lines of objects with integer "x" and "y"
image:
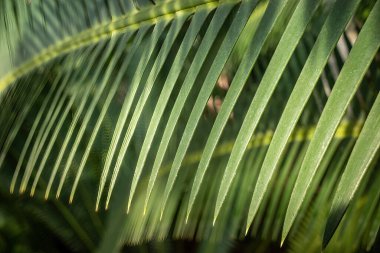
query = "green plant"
{"x": 207, "y": 120}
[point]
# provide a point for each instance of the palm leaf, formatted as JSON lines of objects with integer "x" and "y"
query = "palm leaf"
{"x": 213, "y": 116}
{"x": 352, "y": 177}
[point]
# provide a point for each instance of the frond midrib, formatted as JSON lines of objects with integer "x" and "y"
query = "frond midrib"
{"x": 128, "y": 22}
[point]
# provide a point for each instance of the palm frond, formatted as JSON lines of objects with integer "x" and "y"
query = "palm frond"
{"x": 199, "y": 118}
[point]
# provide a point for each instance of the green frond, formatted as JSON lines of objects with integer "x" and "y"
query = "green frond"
{"x": 208, "y": 120}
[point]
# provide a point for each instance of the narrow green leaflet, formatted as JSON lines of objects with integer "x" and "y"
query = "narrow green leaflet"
{"x": 221, "y": 58}
{"x": 207, "y": 42}
{"x": 31, "y": 133}
{"x": 370, "y": 208}
{"x": 151, "y": 80}
{"x": 331, "y": 31}
{"x": 137, "y": 41}
{"x": 157, "y": 31}
{"x": 362, "y": 155}
{"x": 85, "y": 93}
{"x": 188, "y": 40}
{"x": 51, "y": 116}
{"x": 271, "y": 15}
{"x": 278, "y": 191}
{"x": 90, "y": 109}
{"x": 57, "y": 128}
{"x": 19, "y": 121}
{"x": 114, "y": 43}
{"x": 375, "y": 228}
{"x": 49, "y": 119}
{"x": 265, "y": 90}
{"x": 361, "y": 55}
